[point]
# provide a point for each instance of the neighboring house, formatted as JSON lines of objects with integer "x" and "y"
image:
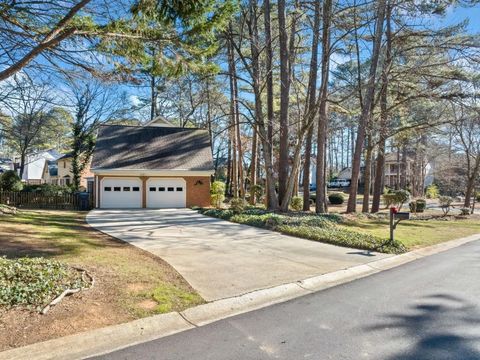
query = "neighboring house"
{"x": 394, "y": 164}
{"x": 159, "y": 121}
{"x": 5, "y": 164}
{"x": 65, "y": 174}
{"x": 152, "y": 167}
{"x": 50, "y": 172}
{"x": 35, "y": 164}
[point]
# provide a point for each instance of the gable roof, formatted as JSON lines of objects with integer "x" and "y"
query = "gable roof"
{"x": 159, "y": 121}
{"x": 152, "y": 148}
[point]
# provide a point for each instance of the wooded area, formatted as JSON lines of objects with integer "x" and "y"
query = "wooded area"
{"x": 293, "y": 92}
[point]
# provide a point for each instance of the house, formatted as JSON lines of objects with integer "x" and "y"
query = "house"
{"x": 396, "y": 168}
{"x": 65, "y": 174}
{"x": 50, "y": 172}
{"x": 59, "y": 172}
{"x": 35, "y": 165}
{"x": 5, "y": 164}
{"x": 152, "y": 167}
{"x": 159, "y": 121}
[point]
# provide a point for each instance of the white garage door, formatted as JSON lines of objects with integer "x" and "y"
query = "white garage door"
{"x": 120, "y": 193}
{"x": 166, "y": 193}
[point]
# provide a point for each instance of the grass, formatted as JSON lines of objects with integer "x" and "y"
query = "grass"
{"x": 418, "y": 233}
{"x": 64, "y": 236}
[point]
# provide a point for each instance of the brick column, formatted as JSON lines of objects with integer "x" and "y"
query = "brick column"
{"x": 144, "y": 191}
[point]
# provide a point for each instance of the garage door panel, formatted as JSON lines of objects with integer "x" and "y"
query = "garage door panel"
{"x": 166, "y": 193}
{"x": 121, "y": 193}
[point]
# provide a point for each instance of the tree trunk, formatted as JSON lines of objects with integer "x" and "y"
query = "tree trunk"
{"x": 367, "y": 106}
{"x": 233, "y": 116}
{"x": 321, "y": 198}
{"x": 306, "y": 170}
{"x": 268, "y": 68}
{"x": 264, "y": 131}
{"x": 471, "y": 182}
{"x": 228, "y": 185}
{"x": 23, "y": 158}
{"x": 153, "y": 99}
{"x": 253, "y": 167}
{"x": 311, "y": 106}
{"x": 368, "y": 175}
{"x": 283, "y": 163}
{"x": 404, "y": 168}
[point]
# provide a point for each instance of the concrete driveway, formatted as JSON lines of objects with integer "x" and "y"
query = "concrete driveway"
{"x": 221, "y": 259}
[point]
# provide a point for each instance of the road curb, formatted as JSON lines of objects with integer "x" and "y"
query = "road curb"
{"x": 111, "y": 338}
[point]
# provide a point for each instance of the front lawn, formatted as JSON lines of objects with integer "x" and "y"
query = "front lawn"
{"x": 419, "y": 233}
{"x": 129, "y": 283}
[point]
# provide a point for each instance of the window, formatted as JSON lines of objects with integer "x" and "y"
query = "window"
{"x": 179, "y": 189}
{"x": 116, "y": 188}
{"x": 153, "y": 189}
{"x": 161, "y": 189}
{"x": 64, "y": 164}
{"x": 107, "y": 188}
{"x": 135, "y": 188}
{"x": 126, "y": 188}
{"x": 170, "y": 189}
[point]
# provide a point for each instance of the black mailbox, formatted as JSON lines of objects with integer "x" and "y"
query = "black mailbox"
{"x": 404, "y": 215}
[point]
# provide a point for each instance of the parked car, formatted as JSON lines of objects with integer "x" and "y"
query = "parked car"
{"x": 339, "y": 183}
{"x": 313, "y": 187}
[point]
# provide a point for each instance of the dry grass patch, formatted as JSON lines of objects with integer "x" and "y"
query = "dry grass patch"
{"x": 126, "y": 277}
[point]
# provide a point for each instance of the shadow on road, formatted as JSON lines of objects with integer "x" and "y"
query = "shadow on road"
{"x": 445, "y": 326}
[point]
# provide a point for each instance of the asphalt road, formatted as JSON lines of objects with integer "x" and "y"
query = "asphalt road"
{"x": 427, "y": 309}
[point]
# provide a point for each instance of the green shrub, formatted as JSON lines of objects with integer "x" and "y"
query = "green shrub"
{"x": 34, "y": 282}
{"x": 445, "y": 203}
{"x": 343, "y": 237}
{"x": 313, "y": 198}
{"x": 218, "y": 213}
{"x": 9, "y": 181}
{"x": 418, "y": 206}
{"x": 396, "y": 198}
{"x": 336, "y": 198}
{"x": 421, "y": 205}
{"x": 465, "y": 211}
{"x": 269, "y": 220}
{"x": 254, "y": 211}
{"x": 296, "y": 203}
{"x": 217, "y": 194}
{"x": 238, "y": 205}
{"x": 48, "y": 189}
{"x": 477, "y": 196}
{"x": 257, "y": 191}
{"x": 432, "y": 192}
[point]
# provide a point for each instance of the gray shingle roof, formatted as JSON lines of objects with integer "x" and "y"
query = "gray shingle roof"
{"x": 152, "y": 148}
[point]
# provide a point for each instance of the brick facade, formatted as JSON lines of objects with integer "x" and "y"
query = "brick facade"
{"x": 198, "y": 191}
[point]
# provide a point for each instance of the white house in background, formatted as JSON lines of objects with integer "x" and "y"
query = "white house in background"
{"x": 5, "y": 164}
{"x": 35, "y": 163}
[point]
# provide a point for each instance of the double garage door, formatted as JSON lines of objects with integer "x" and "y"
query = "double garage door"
{"x": 127, "y": 193}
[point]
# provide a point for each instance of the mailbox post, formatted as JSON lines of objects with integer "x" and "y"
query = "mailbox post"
{"x": 395, "y": 217}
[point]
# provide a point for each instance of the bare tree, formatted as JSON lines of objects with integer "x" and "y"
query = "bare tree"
{"x": 367, "y": 106}
{"x": 28, "y": 119}
{"x": 92, "y": 104}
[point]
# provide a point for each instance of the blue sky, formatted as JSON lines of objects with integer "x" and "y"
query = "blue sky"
{"x": 459, "y": 14}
